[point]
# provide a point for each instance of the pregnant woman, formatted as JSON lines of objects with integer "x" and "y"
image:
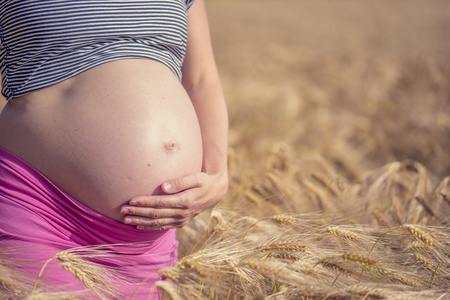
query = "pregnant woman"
{"x": 115, "y": 130}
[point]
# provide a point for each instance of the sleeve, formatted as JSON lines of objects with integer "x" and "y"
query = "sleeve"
{"x": 189, "y": 3}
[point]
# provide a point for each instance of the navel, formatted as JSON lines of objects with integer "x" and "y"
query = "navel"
{"x": 170, "y": 145}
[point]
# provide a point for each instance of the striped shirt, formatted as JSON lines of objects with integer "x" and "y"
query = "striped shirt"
{"x": 46, "y": 41}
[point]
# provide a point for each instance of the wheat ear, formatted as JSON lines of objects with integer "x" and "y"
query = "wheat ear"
{"x": 272, "y": 269}
{"x": 172, "y": 273}
{"x": 282, "y": 246}
{"x": 168, "y": 289}
{"x": 283, "y": 219}
{"x": 342, "y": 233}
{"x": 419, "y": 233}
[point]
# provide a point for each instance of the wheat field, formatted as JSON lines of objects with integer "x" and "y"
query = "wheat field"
{"x": 339, "y": 158}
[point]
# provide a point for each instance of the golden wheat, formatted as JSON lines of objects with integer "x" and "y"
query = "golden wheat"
{"x": 168, "y": 290}
{"x": 283, "y": 219}
{"x": 360, "y": 259}
{"x": 273, "y": 179}
{"x": 419, "y": 233}
{"x": 337, "y": 267}
{"x": 271, "y": 269}
{"x": 370, "y": 291}
{"x": 13, "y": 281}
{"x": 423, "y": 260}
{"x": 345, "y": 234}
{"x": 50, "y": 296}
{"x": 380, "y": 218}
{"x": 282, "y": 245}
{"x": 173, "y": 273}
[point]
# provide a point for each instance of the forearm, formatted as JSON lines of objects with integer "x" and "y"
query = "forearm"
{"x": 209, "y": 103}
{"x": 202, "y": 83}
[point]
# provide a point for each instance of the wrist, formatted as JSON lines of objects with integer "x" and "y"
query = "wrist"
{"x": 221, "y": 181}
{"x": 217, "y": 167}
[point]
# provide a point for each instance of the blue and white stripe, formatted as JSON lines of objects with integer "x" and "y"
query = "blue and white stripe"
{"x": 46, "y": 41}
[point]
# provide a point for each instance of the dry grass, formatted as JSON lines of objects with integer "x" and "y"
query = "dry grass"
{"x": 339, "y": 165}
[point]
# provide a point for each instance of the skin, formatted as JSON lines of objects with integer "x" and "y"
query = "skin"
{"x": 187, "y": 196}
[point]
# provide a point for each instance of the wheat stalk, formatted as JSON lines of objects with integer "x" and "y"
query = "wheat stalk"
{"x": 271, "y": 269}
{"x": 418, "y": 245}
{"x": 380, "y": 218}
{"x": 282, "y": 245}
{"x": 13, "y": 281}
{"x": 254, "y": 197}
{"x": 168, "y": 289}
{"x": 280, "y": 185}
{"x": 173, "y": 273}
{"x": 320, "y": 178}
{"x": 204, "y": 272}
{"x": 424, "y": 261}
{"x": 97, "y": 278}
{"x": 283, "y": 219}
{"x": 50, "y": 296}
{"x": 406, "y": 281}
{"x": 337, "y": 267}
{"x": 369, "y": 291}
{"x": 342, "y": 233}
{"x": 419, "y": 233}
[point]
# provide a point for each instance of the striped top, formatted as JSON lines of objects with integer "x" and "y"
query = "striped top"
{"x": 46, "y": 41}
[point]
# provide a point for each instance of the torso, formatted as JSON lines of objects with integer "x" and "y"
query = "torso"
{"x": 111, "y": 133}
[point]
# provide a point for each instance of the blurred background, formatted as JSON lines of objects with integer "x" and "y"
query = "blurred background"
{"x": 361, "y": 83}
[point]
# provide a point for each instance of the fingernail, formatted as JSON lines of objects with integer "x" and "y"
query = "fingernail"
{"x": 167, "y": 186}
{"x": 134, "y": 202}
{"x": 124, "y": 211}
{"x": 127, "y": 221}
{"x": 140, "y": 227}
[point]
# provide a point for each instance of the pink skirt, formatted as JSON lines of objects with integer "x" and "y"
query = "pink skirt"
{"x": 38, "y": 220}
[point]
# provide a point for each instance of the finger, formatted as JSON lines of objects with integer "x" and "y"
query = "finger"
{"x": 182, "y": 183}
{"x": 154, "y": 214}
{"x": 148, "y": 224}
{"x": 165, "y": 227}
{"x": 137, "y": 220}
{"x": 169, "y": 225}
{"x": 181, "y": 200}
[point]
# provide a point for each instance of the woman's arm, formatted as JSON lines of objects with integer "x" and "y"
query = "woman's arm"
{"x": 202, "y": 83}
{"x": 190, "y": 195}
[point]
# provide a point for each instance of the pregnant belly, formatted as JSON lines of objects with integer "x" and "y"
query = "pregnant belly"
{"x": 110, "y": 134}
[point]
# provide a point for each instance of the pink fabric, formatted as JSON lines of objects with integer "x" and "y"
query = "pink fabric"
{"x": 38, "y": 220}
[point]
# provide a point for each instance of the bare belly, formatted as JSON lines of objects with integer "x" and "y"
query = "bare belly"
{"x": 109, "y": 134}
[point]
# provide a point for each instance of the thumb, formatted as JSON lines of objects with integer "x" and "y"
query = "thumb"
{"x": 180, "y": 184}
{"x": 167, "y": 187}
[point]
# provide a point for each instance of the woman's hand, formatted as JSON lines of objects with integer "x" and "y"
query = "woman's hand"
{"x": 185, "y": 198}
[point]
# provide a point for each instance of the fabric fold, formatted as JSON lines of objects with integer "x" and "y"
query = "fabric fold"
{"x": 39, "y": 220}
